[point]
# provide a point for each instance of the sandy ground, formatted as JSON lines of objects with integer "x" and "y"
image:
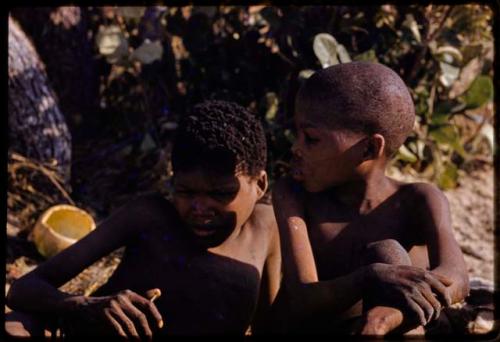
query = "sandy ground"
{"x": 472, "y": 212}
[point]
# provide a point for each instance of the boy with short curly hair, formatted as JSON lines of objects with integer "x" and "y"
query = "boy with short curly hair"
{"x": 213, "y": 252}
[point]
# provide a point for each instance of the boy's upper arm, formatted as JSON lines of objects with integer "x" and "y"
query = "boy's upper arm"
{"x": 112, "y": 233}
{"x": 445, "y": 256}
{"x": 298, "y": 259}
{"x": 271, "y": 280}
{"x": 272, "y": 266}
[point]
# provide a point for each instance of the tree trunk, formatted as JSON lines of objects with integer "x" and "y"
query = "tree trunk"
{"x": 61, "y": 37}
{"x": 37, "y": 128}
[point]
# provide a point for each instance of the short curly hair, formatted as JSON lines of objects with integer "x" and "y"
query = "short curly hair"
{"x": 361, "y": 96}
{"x": 220, "y": 135}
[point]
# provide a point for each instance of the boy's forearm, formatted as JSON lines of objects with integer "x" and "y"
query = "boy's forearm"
{"x": 332, "y": 296}
{"x": 37, "y": 296}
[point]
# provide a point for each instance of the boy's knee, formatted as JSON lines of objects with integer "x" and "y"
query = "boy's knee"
{"x": 387, "y": 251}
{"x": 23, "y": 325}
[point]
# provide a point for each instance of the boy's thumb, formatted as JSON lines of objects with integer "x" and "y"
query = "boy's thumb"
{"x": 153, "y": 294}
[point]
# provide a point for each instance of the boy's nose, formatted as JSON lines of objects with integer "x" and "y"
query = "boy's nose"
{"x": 199, "y": 205}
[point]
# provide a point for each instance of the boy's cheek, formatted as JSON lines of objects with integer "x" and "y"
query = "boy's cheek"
{"x": 181, "y": 206}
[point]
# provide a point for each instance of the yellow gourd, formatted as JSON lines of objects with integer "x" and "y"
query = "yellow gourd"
{"x": 59, "y": 227}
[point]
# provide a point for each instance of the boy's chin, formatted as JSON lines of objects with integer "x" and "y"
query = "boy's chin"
{"x": 313, "y": 187}
{"x": 316, "y": 186}
{"x": 208, "y": 238}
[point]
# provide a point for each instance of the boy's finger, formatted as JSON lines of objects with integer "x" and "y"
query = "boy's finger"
{"x": 417, "y": 311}
{"x": 429, "y": 296}
{"x": 442, "y": 278}
{"x": 153, "y": 294}
{"x": 425, "y": 306}
{"x": 116, "y": 326}
{"x": 150, "y": 306}
{"x": 440, "y": 289}
{"x": 123, "y": 319}
{"x": 138, "y": 316}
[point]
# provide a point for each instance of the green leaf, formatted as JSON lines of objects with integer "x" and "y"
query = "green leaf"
{"x": 343, "y": 54}
{"x": 444, "y": 110}
{"x": 488, "y": 132}
{"x": 447, "y": 134}
{"x": 449, "y": 74}
{"x": 411, "y": 24}
{"x": 448, "y": 178}
{"x": 272, "y": 105}
{"x": 369, "y": 56}
{"x": 109, "y": 39}
{"x": 442, "y": 134}
{"x": 479, "y": 93}
{"x": 417, "y": 147}
{"x": 406, "y": 155}
{"x": 148, "y": 143}
{"x": 209, "y": 11}
{"x": 148, "y": 52}
{"x": 325, "y": 48}
{"x": 440, "y": 118}
{"x": 289, "y": 136}
{"x": 306, "y": 73}
{"x": 471, "y": 51}
{"x": 449, "y": 54}
{"x": 270, "y": 15}
{"x": 112, "y": 43}
{"x": 131, "y": 12}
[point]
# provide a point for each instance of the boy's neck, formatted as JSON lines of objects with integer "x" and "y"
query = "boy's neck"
{"x": 365, "y": 194}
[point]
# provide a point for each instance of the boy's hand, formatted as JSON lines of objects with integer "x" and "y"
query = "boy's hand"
{"x": 125, "y": 313}
{"x": 410, "y": 288}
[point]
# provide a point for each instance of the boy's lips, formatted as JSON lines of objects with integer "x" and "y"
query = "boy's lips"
{"x": 203, "y": 231}
{"x": 202, "y": 225}
{"x": 296, "y": 170}
{"x": 297, "y": 174}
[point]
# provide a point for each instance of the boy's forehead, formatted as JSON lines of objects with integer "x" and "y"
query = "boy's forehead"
{"x": 310, "y": 118}
{"x": 208, "y": 177}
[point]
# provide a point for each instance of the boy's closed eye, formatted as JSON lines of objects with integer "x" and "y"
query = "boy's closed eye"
{"x": 310, "y": 140}
{"x": 183, "y": 192}
{"x": 223, "y": 195}
{"x": 220, "y": 195}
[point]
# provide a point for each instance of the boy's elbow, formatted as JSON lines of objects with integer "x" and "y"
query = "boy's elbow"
{"x": 12, "y": 298}
{"x": 18, "y": 292}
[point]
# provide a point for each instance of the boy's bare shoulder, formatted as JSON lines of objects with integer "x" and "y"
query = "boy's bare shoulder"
{"x": 151, "y": 209}
{"x": 424, "y": 196}
{"x": 422, "y": 190}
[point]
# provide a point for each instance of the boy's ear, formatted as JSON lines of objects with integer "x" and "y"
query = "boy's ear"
{"x": 262, "y": 184}
{"x": 375, "y": 147}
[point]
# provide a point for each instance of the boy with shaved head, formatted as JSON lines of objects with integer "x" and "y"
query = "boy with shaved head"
{"x": 362, "y": 252}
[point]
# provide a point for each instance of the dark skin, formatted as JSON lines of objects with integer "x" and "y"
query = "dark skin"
{"x": 213, "y": 254}
{"x": 338, "y": 202}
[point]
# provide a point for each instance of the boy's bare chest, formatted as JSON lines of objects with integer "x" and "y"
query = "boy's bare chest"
{"x": 338, "y": 238}
{"x": 210, "y": 291}
{"x": 168, "y": 260}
